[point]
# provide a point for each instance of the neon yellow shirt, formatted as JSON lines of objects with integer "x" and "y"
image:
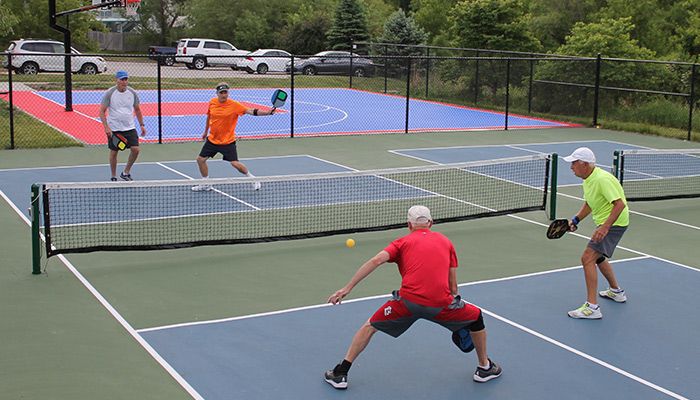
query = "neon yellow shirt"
{"x": 600, "y": 189}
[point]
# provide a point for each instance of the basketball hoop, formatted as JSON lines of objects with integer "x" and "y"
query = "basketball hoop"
{"x": 131, "y": 7}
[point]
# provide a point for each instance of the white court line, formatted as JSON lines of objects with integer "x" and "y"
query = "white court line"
{"x": 315, "y": 306}
{"x": 521, "y": 144}
{"x": 670, "y": 221}
{"x": 144, "y": 163}
{"x": 215, "y": 190}
{"x": 585, "y": 355}
{"x": 130, "y": 329}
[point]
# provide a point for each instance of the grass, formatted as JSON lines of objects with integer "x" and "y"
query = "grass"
{"x": 29, "y": 132}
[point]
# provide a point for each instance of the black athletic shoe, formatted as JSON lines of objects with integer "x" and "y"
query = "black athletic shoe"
{"x": 126, "y": 177}
{"x": 339, "y": 381}
{"x": 113, "y": 179}
{"x": 485, "y": 375}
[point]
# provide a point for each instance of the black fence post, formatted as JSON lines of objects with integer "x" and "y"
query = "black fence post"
{"x": 507, "y": 90}
{"x": 408, "y": 88}
{"x": 596, "y": 93}
{"x": 427, "y": 71}
{"x": 691, "y": 100}
{"x": 386, "y": 52}
{"x": 160, "y": 103}
{"x": 291, "y": 108}
{"x": 529, "y": 87}
{"x": 351, "y": 68}
{"x": 12, "y": 103}
{"x": 476, "y": 80}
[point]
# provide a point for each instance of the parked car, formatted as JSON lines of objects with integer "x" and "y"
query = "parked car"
{"x": 201, "y": 53}
{"x": 167, "y": 54}
{"x": 31, "y": 56}
{"x": 333, "y": 62}
{"x": 264, "y": 60}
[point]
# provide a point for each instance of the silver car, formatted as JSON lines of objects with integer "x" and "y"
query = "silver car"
{"x": 31, "y": 56}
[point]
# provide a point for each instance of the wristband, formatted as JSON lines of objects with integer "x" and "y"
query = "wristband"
{"x": 255, "y": 111}
{"x": 575, "y": 220}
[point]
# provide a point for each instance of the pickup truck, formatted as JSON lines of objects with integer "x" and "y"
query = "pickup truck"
{"x": 168, "y": 52}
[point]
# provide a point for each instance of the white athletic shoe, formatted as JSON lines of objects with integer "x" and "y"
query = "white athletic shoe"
{"x": 201, "y": 188}
{"x": 586, "y": 312}
{"x": 613, "y": 295}
{"x": 256, "y": 185}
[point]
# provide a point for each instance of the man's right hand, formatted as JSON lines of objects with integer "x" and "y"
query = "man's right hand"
{"x": 338, "y": 296}
{"x": 204, "y": 135}
{"x": 108, "y": 132}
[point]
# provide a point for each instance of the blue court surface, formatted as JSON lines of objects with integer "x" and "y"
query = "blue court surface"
{"x": 544, "y": 354}
{"x": 317, "y": 111}
{"x": 603, "y": 150}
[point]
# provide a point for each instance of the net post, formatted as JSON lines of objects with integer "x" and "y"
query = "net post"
{"x": 621, "y": 167}
{"x": 553, "y": 187}
{"x": 36, "y": 240}
{"x": 476, "y": 80}
{"x": 616, "y": 164}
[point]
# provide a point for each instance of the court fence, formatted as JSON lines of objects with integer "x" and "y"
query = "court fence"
{"x": 390, "y": 89}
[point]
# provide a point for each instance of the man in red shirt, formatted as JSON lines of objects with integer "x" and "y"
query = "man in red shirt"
{"x": 428, "y": 266}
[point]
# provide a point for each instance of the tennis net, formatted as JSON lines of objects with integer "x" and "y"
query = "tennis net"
{"x": 150, "y": 215}
{"x": 659, "y": 174}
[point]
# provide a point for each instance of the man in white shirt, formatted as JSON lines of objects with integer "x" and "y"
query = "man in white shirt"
{"x": 122, "y": 103}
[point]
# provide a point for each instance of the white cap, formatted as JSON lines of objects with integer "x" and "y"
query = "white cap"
{"x": 419, "y": 215}
{"x": 581, "y": 154}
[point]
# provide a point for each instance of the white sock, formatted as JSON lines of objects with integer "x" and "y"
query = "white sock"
{"x": 618, "y": 290}
{"x": 485, "y": 367}
{"x": 249, "y": 175}
{"x": 593, "y": 306}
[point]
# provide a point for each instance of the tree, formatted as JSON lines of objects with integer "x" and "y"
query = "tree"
{"x": 34, "y": 21}
{"x": 493, "y": 24}
{"x": 610, "y": 38}
{"x": 402, "y": 29}
{"x": 431, "y": 16}
{"x": 349, "y": 24}
{"x": 552, "y": 19}
{"x": 306, "y": 35}
{"x": 158, "y": 21}
{"x": 8, "y": 21}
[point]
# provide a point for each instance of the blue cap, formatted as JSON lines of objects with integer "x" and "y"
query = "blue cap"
{"x": 122, "y": 74}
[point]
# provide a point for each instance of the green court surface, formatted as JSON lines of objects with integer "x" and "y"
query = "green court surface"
{"x": 60, "y": 342}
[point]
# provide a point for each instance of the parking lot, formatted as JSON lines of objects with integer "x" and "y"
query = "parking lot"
{"x": 149, "y": 70}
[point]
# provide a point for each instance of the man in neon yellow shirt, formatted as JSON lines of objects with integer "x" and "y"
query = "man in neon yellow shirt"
{"x": 605, "y": 201}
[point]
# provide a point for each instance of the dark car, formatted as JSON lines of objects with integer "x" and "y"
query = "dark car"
{"x": 333, "y": 62}
{"x": 167, "y": 54}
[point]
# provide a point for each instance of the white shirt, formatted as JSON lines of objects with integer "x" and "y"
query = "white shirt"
{"x": 121, "y": 108}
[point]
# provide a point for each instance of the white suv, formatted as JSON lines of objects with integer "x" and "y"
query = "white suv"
{"x": 30, "y": 56}
{"x": 200, "y": 53}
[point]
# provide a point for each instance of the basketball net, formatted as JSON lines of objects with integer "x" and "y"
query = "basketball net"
{"x": 131, "y": 7}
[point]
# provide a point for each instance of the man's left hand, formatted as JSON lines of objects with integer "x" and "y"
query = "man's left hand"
{"x": 600, "y": 233}
{"x": 338, "y": 296}
{"x": 143, "y": 131}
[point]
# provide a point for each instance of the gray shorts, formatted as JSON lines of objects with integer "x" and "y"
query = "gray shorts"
{"x": 607, "y": 246}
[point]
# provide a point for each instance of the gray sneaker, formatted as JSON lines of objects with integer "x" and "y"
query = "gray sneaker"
{"x": 202, "y": 188}
{"x": 613, "y": 295}
{"x": 485, "y": 375}
{"x": 586, "y": 312}
{"x": 339, "y": 381}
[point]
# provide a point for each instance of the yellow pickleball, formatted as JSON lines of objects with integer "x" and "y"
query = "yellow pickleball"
{"x": 350, "y": 243}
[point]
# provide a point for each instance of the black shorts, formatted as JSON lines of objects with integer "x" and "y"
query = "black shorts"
{"x": 132, "y": 139}
{"x": 227, "y": 150}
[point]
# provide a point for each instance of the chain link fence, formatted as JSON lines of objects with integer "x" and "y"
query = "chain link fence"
{"x": 388, "y": 88}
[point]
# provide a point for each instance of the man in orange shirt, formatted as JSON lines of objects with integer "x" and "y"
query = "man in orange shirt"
{"x": 220, "y": 133}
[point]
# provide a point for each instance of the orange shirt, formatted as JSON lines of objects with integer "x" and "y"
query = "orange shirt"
{"x": 223, "y": 118}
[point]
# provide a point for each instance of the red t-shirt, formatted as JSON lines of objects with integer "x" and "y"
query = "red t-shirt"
{"x": 424, "y": 258}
